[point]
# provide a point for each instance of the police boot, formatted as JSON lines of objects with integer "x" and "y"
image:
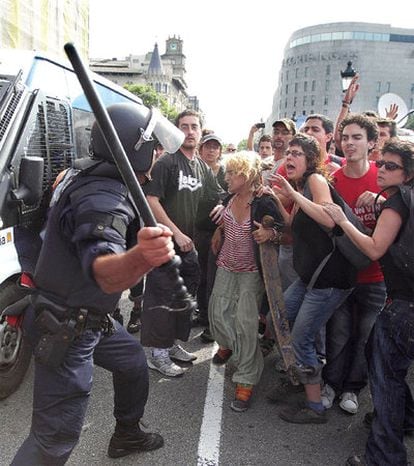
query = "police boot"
{"x": 134, "y": 324}
{"x": 129, "y": 439}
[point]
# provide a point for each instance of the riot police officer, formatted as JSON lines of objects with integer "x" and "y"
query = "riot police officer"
{"x": 84, "y": 266}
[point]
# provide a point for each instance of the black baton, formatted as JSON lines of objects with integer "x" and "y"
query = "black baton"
{"x": 182, "y": 300}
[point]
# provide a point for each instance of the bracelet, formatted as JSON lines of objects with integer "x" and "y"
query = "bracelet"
{"x": 345, "y": 103}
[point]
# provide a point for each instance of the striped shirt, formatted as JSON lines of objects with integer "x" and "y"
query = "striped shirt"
{"x": 236, "y": 254}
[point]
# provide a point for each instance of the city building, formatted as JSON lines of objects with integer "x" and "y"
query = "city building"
{"x": 45, "y": 26}
{"x": 165, "y": 73}
{"x": 310, "y": 80}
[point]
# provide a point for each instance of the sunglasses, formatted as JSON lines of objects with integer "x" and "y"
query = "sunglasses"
{"x": 231, "y": 150}
{"x": 294, "y": 153}
{"x": 391, "y": 166}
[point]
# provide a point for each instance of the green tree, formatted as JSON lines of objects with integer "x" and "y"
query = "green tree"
{"x": 152, "y": 98}
{"x": 242, "y": 145}
{"x": 410, "y": 122}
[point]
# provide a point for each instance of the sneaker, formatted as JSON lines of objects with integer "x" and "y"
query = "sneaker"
{"x": 165, "y": 366}
{"x": 284, "y": 389}
{"x": 118, "y": 316}
{"x": 327, "y": 396}
{"x": 242, "y": 397}
{"x": 134, "y": 324}
{"x": 302, "y": 414}
{"x": 356, "y": 461}
{"x": 125, "y": 443}
{"x": 349, "y": 402}
{"x": 206, "y": 336}
{"x": 222, "y": 356}
{"x": 178, "y": 353}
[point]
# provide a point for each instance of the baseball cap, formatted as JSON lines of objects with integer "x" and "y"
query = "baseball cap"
{"x": 287, "y": 123}
{"x": 210, "y": 137}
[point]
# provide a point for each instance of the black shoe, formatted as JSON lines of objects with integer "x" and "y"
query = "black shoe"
{"x": 206, "y": 336}
{"x": 123, "y": 444}
{"x": 134, "y": 324}
{"x": 222, "y": 356}
{"x": 118, "y": 316}
{"x": 302, "y": 414}
{"x": 356, "y": 461}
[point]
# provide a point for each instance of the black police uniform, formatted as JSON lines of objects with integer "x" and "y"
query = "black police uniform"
{"x": 90, "y": 219}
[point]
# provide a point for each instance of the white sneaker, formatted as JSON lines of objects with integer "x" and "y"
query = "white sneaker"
{"x": 327, "y": 396}
{"x": 349, "y": 402}
{"x": 177, "y": 353}
{"x": 164, "y": 365}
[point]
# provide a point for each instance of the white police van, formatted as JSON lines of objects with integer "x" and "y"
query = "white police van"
{"x": 45, "y": 123}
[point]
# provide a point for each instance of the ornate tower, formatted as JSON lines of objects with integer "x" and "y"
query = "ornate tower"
{"x": 174, "y": 52}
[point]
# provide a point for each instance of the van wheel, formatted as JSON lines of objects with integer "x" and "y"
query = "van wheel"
{"x": 15, "y": 351}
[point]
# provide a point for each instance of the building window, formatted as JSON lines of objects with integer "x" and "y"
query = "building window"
{"x": 287, "y": 89}
{"x": 305, "y": 86}
{"x": 325, "y": 100}
{"x": 165, "y": 88}
{"x": 328, "y": 70}
{"x": 295, "y": 101}
{"x": 296, "y": 73}
{"x": 378, "y": 86}
{"x": 388, "y": 86}
{"x": 303, "y": 112}
{"x": 287, "y": 75}
{"x": 312, "y": 100}
{"x": 313, "y": 85}
{"x": 412, "y": 89}
{"x": 285, "y": 103}
{"x": 305, "y": 100}
{"x": 327, "y": 85}
{"x": 306, "y": 71}
{"x": 296, "y": 88}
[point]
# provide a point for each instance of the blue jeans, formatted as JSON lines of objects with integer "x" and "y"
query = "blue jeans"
{"x": 347, "y": 334}
{"x": 390, "y": 351}
{"x": 308, "y": 312}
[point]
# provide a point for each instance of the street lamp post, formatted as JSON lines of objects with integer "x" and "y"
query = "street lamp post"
{"x": 347, "y": 76}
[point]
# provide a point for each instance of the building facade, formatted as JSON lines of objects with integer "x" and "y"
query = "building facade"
{"x": 45, "y": 26}
{"x": 310, "y": 80}
{"x": 165, "y": 73}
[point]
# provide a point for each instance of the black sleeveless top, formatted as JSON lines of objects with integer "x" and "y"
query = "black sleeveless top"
{"x": 310, "y": 246}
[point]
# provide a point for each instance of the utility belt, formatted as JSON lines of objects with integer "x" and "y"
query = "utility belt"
{"x": 59, "y": 326}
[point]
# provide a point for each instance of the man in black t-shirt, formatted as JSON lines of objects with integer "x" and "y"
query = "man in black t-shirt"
{"x": 178, "y": 183}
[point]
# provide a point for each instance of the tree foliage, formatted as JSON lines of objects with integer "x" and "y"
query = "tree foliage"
{"x": 242, "y": 145}
{"x": 152, "y": 98}
{"x": 410, "y": 122}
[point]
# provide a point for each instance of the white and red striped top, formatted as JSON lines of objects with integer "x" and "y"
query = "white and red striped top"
{"x": 236, "y": 254}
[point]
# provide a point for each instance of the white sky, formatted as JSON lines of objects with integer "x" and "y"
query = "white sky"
{"x": 233, "y": 48}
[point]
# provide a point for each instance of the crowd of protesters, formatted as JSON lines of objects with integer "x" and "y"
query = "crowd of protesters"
{"x": 333, "y": 309}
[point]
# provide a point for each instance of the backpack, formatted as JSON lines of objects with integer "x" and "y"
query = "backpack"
{"x": 402, "y": 250}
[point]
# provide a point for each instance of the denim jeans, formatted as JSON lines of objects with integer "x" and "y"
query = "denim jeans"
{"x": 347, "y": 334}
{"x": 390, "y": 351}
{"x": 307, "y": 312}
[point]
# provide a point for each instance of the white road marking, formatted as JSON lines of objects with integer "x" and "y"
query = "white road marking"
{"x": 210, "y": 432}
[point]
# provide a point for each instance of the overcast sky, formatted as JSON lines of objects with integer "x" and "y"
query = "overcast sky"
{"x": 233, "y": 49}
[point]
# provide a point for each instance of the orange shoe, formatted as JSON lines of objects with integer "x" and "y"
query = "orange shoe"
{"x": 241, "y": 400}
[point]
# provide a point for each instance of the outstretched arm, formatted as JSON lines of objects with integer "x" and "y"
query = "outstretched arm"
{"x": 346, "y": 102}
{"x": 375, "y": 246}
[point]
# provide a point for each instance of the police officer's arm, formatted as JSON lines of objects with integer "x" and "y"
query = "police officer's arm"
{"x": 118, "y": 272}
{"x": 184, "y": 242}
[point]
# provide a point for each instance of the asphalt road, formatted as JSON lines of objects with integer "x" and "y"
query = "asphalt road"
{"x": 194, "y": 416}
